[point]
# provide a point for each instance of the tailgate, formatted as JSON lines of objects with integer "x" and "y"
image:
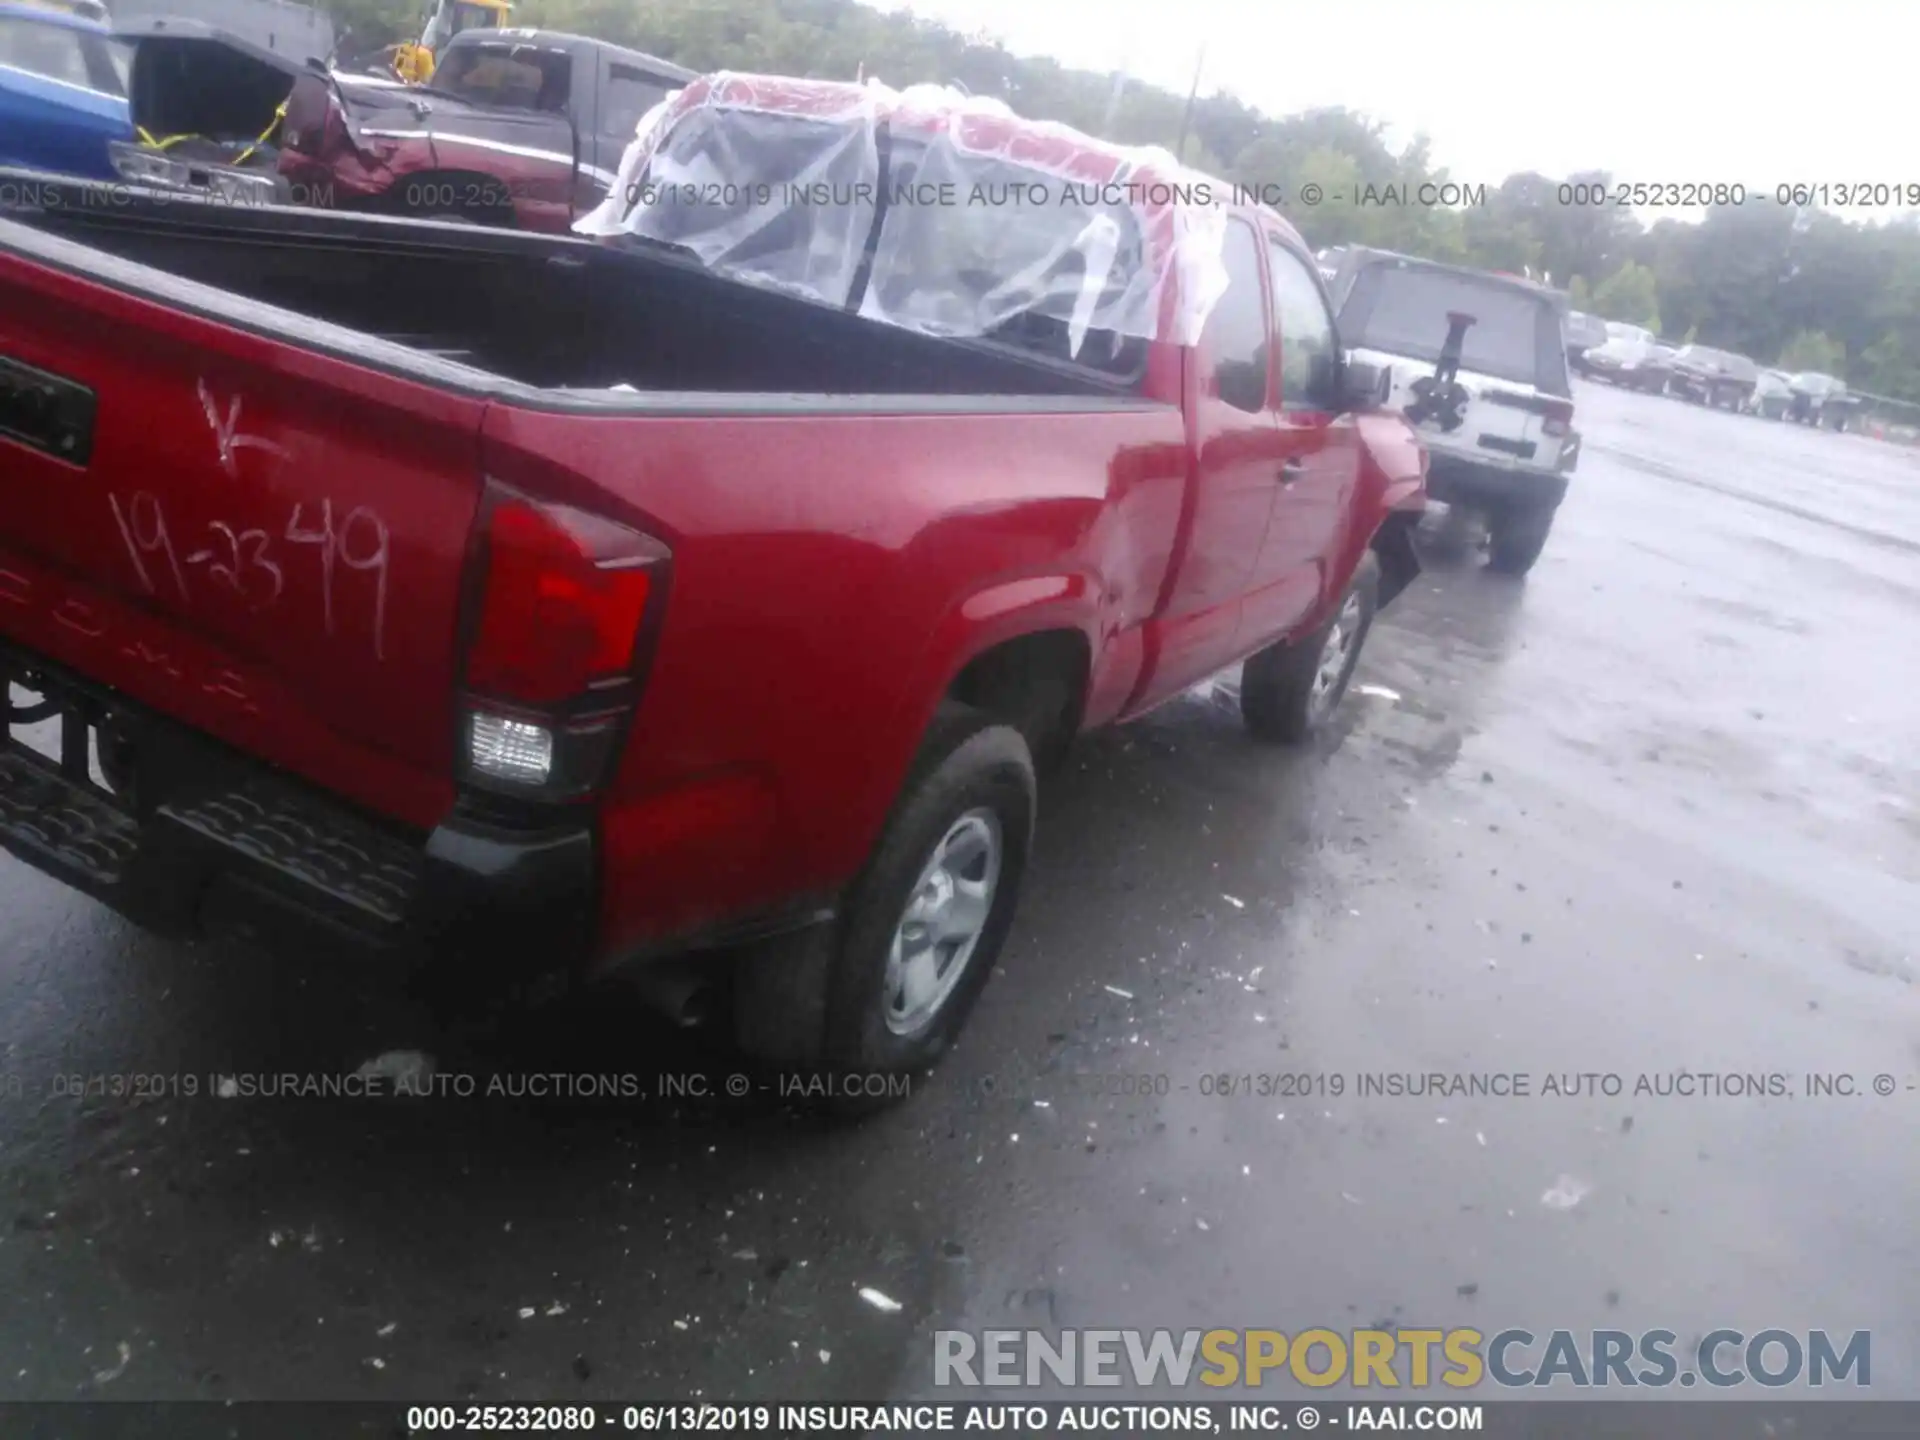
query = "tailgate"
{"x": 1505, "y": 423}
{"x": 259, "y": 540}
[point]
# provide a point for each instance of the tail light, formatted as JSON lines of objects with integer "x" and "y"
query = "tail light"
{"x": 1558, "y": 417}
{"x": 553, "y": 654}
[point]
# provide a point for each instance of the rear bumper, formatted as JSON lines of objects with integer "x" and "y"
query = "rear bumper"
{"x": 209, "y": 181}
{"x": 206, "y": 840}
{"x": 1458, "y": 481}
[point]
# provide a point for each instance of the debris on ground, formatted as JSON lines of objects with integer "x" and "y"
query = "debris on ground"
{"x": 1565, "y": 1193}
{"x": 402, "y": 1069}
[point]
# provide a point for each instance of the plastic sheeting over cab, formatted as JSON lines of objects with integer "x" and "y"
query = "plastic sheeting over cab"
{"x": 928, "y": 209}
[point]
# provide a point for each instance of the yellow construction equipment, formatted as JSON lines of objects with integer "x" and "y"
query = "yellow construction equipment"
{"x": 413, "y": 60}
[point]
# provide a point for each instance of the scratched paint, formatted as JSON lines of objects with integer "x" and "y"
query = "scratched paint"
{"x": 228, "y": 438}
{"x": 238, "y": 564}
{"x": 241, "y": 566}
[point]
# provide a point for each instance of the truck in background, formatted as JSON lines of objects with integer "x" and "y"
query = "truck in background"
{"x": 520, "y": 129}
{"x": 1478, "y": 362}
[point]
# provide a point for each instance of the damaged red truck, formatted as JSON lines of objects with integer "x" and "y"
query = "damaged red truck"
{"x": 609, "y": 608}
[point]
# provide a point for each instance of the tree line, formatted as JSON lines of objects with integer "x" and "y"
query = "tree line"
{"x": 1801, "y": 288}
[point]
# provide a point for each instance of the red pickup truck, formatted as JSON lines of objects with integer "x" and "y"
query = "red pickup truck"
{"x": 529, "y": 601}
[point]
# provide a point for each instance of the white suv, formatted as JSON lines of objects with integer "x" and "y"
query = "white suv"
{"x": 1479, "y": 365}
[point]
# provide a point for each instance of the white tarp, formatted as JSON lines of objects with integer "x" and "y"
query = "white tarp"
{"x": 991, "y": 224}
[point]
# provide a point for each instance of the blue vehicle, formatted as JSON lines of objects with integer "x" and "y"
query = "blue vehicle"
{"x": 63, "y": 90}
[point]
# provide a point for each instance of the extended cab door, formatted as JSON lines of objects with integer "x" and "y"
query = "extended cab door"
{"x": 1235, "y": 474}
{"x": 1320, "y": 456}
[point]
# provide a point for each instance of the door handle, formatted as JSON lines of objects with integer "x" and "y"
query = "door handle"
{"x": 1292, "y": 470}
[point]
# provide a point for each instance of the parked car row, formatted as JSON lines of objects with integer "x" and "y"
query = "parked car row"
{"x": 1630, "y": 356}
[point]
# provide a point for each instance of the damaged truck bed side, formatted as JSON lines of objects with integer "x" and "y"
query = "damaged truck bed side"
{"x": 627, "y": 609}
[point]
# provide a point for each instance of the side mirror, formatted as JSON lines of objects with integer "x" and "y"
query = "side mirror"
{"x": 1364, "y": 385}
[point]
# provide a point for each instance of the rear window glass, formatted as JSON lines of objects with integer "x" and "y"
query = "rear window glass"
{"x": 1727, "y": 364}
{"x": 520, "y": 76}
{"x": 1403, "y": 310}
{"x": 798, "y": 204}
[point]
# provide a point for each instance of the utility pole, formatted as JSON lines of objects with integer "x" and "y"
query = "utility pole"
{"x": 1112, "y": 116}
{"x": 1113, "y": 104}
{"x": 1186, "y": 116}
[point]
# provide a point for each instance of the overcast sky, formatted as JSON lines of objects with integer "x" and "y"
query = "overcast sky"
{"x": 1686, "y": 90}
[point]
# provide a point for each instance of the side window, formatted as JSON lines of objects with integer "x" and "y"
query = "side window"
{"x": 1309, "y": 349}
{"x": 626, "y": 98}
{"x": 52, "y": 51}
{"x": 1236, "y": 333}
{"x": 108, "y": 62}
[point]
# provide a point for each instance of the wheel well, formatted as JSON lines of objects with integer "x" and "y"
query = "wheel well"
{"x": 1036, "y": 683}
{"x": 1392, "y": 546}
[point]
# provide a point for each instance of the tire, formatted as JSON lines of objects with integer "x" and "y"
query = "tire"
{"x": 1516, "y": 537}
{"x": 837, "y": 1001}
{"x": 1289, "y": 690}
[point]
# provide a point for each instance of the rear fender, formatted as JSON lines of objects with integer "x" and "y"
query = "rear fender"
{"x": 1389, "y": 501}
{"x": 992, "y": 615}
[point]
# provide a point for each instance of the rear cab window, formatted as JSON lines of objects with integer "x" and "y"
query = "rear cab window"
{"x": 517, "y": 77}
{"x": 1057, "y": 276}
{"x": 1402, "y": 309}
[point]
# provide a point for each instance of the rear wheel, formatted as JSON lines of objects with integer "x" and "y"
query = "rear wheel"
{"x": 1515, "y": 538}
{"x": 1287, "y": 691}
{"x": 884, "y": 990}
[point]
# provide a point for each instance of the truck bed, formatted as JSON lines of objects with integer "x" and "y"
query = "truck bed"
{"x": 545, "y": 312}
{"x": 244, "y": 455}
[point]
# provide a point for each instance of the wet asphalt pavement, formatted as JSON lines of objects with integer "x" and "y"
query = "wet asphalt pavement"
{"x": 1654, "y": 809}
